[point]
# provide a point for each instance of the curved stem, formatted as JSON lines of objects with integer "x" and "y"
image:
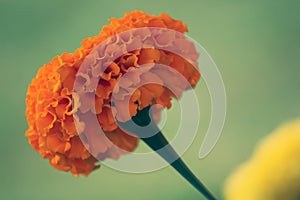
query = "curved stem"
{"x": 157, "y": 142}
{"x": 161, "y": 146}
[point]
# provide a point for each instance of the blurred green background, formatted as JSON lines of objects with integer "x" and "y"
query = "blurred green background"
{"x": 255, "y": 44}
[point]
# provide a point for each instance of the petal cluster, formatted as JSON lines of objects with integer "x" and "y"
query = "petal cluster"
{"x": 50, "y": 100}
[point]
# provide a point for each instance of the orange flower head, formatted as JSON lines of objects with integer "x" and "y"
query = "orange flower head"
{"x": 54, "y": 130}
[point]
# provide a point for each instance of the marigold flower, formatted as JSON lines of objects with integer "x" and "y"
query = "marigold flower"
{"x": 49, "y": 112}
{"x": 273, "y": 172}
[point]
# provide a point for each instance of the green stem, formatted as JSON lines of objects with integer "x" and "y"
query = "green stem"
{"x": 159, "y": 143}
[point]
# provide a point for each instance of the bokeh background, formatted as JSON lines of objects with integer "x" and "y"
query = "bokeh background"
{"x": 255, "y": 44}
